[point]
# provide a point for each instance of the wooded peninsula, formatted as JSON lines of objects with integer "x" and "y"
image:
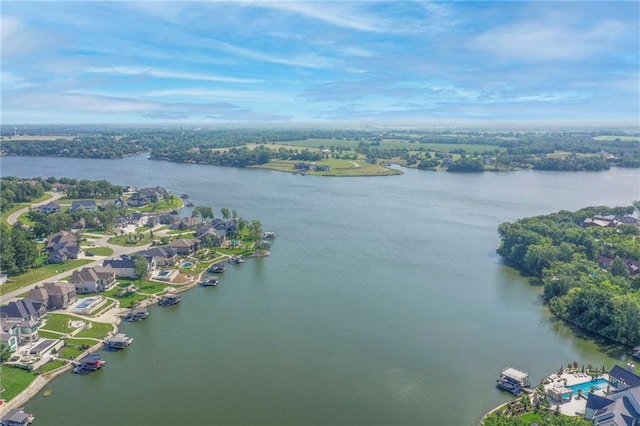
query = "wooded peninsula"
{"x": 588, "y": 263}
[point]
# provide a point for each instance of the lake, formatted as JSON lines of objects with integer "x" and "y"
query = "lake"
{"x": 383, "y": 301}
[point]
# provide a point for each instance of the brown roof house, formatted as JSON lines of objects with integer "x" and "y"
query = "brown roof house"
{"x": 184, "y": 246}
{"x": 92, "y": 280}
{"x": 58, "y": 295}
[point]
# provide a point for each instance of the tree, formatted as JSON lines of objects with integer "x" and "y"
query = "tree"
{"x": 202, "y": 211}
{"x": 141, "y": 268}
{"x": 5, "y": 352}
{"x": 226, "y": 213}
{"x": 255, "y": 229}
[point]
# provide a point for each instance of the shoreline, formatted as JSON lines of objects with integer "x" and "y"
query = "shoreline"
{"x": 42, "y": 380}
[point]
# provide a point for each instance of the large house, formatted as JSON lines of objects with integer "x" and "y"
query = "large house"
{"x": 58, "y": 295}
{"x": 92, "y": 280}
{"x": 162, "y": 256}
{"x": 83, "y": 205}
{"x": 620, "y": 407}
{"x": 26, "y": 315}
{"x": 63, "y": 246}
{"x": 184, "y": 245}
{"x": 147, "y": 196}
{"x": 9, "y": 334}
{"x": 50, "y": 208}
{"x": 125, "y": 267}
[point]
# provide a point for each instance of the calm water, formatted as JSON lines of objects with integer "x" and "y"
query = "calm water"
{"x": 383, "y": 302}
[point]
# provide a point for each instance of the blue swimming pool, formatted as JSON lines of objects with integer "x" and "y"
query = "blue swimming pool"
{"x": 85, "y": 303}
{"x": 186, "y": 264}
{"x": 164, "y": 273}
{"x": 586, "y": 387}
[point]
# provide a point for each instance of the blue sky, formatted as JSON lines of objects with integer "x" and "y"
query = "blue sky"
{"x": 320, "y": 62}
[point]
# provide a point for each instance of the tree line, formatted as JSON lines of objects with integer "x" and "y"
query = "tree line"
{"x": 567, "y": 259}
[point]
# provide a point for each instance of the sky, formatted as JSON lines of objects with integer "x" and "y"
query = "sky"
{"x": 326, "y": 61}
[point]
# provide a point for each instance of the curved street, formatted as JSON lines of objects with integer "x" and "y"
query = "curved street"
{"x": 100, "y": 241}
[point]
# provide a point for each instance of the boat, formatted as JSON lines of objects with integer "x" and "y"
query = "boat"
{"x": 514, "y": 381}
{"x": 169, "y": 299}
{"x": 268, "y": 235}
{"x": 209, "y": 283}
{"x": 184, "y": 196}
{"x": 234, "y": 260}
{"x": 218, "y": 268}
{"x": 189, "y": 204}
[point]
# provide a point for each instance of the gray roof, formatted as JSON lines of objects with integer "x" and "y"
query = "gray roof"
{"x": 629, "y": 377}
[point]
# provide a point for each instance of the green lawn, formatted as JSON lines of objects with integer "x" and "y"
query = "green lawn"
{"x": 41, "y": 273}
{"x": 338, "y": 168}
{"x": 52, "y": 365}
{"x": 14, "y": 381}
{"x": 5, "y": 215}
{"x": 100, "y": 251}
{"x": 613, "y": 138}
{"x": 130, "y": 240}
{"x": 59, "y": 323}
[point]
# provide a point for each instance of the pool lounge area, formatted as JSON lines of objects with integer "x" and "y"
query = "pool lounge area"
{"x": 586, "y": 387}
{"x": 87, "y": 305}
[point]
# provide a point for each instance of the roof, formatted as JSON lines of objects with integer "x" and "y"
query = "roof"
{"x": 515, "y": 374}
{"x": 623, "y": 409}
{"x": 119, "y": 263}
{"x": 182, "y": 242}
{"x": 622, "y": 374}
{"x": 22, "y": 308}
{"x": 59, "y": 288}
{"x": 17, "y": 415}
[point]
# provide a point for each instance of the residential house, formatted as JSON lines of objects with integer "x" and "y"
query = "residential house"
{"x": 86, "y": 205}
{"x": 185, "y": 246}
{"x": 162, "y": 256}
{"x": 119, "y": 203}
{"x": 23, "y": 310}
{"x": 125, "y": 267}
{"x": 26, "y": 314}
{"x": 147, "y": 196}
{"x": 50, "y": 208}
{"x": 16, "y": 417}
{"x": 59, "y": 187}
{"x": 208, "y": 232}
{"x": 230, "y": 227}
{"x": 136, "y": 219}
{"x": 63, "y": 246}
{"x": 92, "y": 280}
{"x": 168, "y": 219}
{"x": 617, "y": 408}
{"x": 9, "y": 334}
{"x": 61, "y": 294}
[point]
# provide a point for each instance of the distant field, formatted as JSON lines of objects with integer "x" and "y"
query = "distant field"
{"x": 36, "y": 138}
{"x": 338, "y": 168}
{"x": 395, "y": 144}
{"x": 613, "y": 138}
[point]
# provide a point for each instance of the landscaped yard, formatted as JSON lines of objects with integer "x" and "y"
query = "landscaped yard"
{"x": 14, "y": 381}
{"x": 129, "y": 240}
{"x": 99, "y": 251}
{"x": 50, "y": 366}
{"x": 59, "y": 323}
{"x": 41, "y": 273}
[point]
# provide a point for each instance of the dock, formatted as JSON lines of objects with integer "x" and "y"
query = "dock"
{"x": 513, "y": 381}
{"x": 137, "y": 314}
{"x": 169, "y": 299}
{"x": 119, "y": 341}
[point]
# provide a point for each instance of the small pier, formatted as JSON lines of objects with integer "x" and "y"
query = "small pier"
{"x": 212, "y": 282}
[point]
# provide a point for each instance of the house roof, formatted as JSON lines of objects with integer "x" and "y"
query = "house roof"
{"x": 182, "y": 242}
{"x": 59, "y": 288}
{"x": 623, "y": 409}
{"x": 119, "y": 263}
{"x": 17, "y": 415}
{"x": 39, "y": 294}
{"x": 622, "y": 374}
{"x": 83, "y": 203}
{"x": 21, "y": 309}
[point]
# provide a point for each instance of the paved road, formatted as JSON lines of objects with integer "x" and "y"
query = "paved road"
{"x": 13, "y": 217}
{"x": 100, "y": 241}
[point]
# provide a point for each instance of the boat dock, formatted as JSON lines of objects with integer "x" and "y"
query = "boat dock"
{"x": 119, "y": 341}
{"x": 137, "y": 314}
{"x": 514, "y": 381}
{"x": 169, "y": 299}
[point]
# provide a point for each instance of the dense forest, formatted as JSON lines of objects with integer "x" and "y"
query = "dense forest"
{"x": 228, "y": 147}
{"x": 590, "y": 274}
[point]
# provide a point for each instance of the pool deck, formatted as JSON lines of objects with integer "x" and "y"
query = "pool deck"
{"x": 576, "y": 406}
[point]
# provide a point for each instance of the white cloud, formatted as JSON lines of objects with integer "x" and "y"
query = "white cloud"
{"x": 546, "y": 41}
{"x": 160, "y": 73}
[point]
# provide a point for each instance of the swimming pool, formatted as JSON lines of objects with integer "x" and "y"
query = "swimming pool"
{"x": 164, "y": 273}
{"x": 586, "y": 387}
{"x": 85, "y": 303}
{"x": 186, "y": 264}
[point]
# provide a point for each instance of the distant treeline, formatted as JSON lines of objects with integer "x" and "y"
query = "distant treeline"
{"x": 588, "y": 273}
{"x": 578, "y": 150}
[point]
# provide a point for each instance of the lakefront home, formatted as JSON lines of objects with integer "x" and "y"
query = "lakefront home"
{"x": 55, "y": 295}
{"x": 93, "y": 280}
{"x": 621, "y": 406}
{"x": 63, "y": 246}
{"x": 184, "y": 245}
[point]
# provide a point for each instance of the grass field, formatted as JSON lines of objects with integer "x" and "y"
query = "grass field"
{"x": 60, "y": 323}
{"x": 52, "y": 365}
{"x": 613, "y": 138}
{"x": 41, "y": 273}
{"x": 14, "y": 381}
{"x": 5, "y": 215}
{"x": 338, "y": 168}
{"x": 100, "y": 251}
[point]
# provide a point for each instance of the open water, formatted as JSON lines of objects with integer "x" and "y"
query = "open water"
{"x": 383, "y": 301}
